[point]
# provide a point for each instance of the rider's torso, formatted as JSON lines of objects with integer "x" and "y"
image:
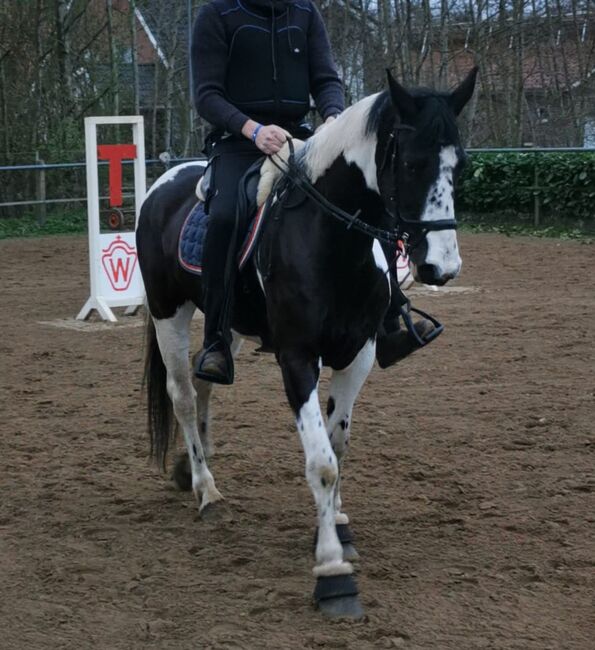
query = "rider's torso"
{"x": 267, "y": 73}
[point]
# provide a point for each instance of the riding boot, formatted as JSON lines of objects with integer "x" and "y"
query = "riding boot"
{"x": 400, "y": 343}
{"x": 214, "y": 362}
{"x": 230, "y": 158}
{"x": 394, "y": 343}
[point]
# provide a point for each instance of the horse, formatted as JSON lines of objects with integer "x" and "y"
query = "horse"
{"x": 314, "y": 292}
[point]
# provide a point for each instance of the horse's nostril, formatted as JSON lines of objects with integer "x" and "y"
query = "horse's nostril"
{"x": 428, "y": 274}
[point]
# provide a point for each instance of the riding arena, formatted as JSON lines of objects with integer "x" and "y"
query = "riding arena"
{"x": 469, "y": 477}
{"x": 402, "y": 455}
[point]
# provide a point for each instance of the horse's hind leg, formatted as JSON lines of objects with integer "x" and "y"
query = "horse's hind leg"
{"x": 204, "y": 390}
{"x": 173, "y": 336}
{"x": 344, "y": 389}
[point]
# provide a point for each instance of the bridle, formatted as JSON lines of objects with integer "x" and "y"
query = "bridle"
{"x": 405, "y": 237}
{"x": 409, "y": 231}
{"x": 407, "y": 234}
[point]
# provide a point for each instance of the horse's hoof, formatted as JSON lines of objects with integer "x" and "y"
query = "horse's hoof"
{"x": 337, "y": 597}
{"x": 182, "y": 474}
{"x": 215, "y": 511}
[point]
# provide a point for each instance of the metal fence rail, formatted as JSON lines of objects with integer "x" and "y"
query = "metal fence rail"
{"x": 41, "y": 201}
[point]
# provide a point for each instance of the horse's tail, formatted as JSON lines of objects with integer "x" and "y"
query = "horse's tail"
{"x": 159, "y": 407}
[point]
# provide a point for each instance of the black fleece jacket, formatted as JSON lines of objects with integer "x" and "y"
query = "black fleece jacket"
{"x": 261, "y": 59}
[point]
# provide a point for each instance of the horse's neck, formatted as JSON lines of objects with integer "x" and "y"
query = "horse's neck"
{"x": 346, "y": 138}
{"x": 345, "y": 186}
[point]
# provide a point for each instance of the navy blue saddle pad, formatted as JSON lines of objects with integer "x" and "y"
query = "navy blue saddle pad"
{"x": 192, "y": 237}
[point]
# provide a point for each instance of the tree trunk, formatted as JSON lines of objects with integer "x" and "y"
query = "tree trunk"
{"x": 115, "y": 85}
{"x": 37, "y": 110}
{"x": 63, "y": 52}
{"x": 518, "y": 83}
{"x": 4, "y": 107}
{"x": 133, "y": 47}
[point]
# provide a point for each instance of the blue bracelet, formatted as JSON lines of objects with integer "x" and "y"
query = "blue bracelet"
{"x": 255, "y": 132}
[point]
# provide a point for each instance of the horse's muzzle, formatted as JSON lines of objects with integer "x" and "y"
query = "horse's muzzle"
{"x": 431, "y": 274}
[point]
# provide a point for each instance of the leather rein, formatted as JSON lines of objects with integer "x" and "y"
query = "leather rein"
{"x": 405, "y": 229}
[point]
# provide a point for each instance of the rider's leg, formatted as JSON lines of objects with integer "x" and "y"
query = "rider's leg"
{"x": 231, "y": 159}
{"x": 394, "y": 342}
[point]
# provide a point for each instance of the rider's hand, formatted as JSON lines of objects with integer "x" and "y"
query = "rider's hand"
{"x": 269, "y": 139}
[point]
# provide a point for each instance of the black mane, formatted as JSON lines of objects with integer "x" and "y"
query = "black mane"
{"x": 435, "y": 121}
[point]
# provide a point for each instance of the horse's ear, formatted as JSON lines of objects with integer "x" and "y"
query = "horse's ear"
{"x": 462, "y": 93}
{"x": 401, "y": 99}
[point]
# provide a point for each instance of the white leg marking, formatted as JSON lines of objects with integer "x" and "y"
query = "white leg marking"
{"x": 321, "y": 473}
{"x": 344, "y": 389}
{"x": 443, "y": 250}
{"x": 173, "y": 336}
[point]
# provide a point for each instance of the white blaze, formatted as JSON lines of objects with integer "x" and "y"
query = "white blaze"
{"x": 443, "y": 250}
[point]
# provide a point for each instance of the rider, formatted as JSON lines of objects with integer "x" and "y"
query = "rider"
{"x": 253, "y": 88}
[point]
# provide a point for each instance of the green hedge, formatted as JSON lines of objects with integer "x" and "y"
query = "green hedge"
{"x": 505, "y": 182}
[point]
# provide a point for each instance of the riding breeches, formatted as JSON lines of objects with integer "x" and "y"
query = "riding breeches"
{"x": 230, "y": 159}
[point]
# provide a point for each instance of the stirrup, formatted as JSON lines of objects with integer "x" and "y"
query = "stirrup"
{"x": 227, "y": 377}
{"x": 438, "y": 326}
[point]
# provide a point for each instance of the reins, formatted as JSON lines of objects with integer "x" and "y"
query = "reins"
{"x": 402, "y": 234}
{"x": 399, "y": 237}
{"x": 295, "y": 175}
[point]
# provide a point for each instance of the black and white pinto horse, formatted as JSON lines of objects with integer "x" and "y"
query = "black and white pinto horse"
{"x": 315, "y": 291}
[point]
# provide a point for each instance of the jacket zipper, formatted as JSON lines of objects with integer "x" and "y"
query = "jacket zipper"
{"x": 274, "y": 57}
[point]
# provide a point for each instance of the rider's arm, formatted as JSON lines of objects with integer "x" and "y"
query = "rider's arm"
{"x": 209, "y": 60}
{"x": 325, "y": 86}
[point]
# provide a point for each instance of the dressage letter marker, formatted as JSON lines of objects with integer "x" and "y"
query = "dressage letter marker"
{"x": 115, "y": 277}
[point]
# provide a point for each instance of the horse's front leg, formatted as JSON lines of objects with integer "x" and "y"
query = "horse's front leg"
{"x": 344, "y": 389}
{"x": 336, "y": 591}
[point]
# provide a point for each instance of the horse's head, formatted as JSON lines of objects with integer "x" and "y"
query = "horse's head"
{"x": 418, "y": 157}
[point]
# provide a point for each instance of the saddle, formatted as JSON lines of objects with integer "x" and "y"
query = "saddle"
{"x": 254, "y": 188}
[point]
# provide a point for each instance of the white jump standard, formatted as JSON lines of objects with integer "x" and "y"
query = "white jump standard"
{"x": 114, "y": 273}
